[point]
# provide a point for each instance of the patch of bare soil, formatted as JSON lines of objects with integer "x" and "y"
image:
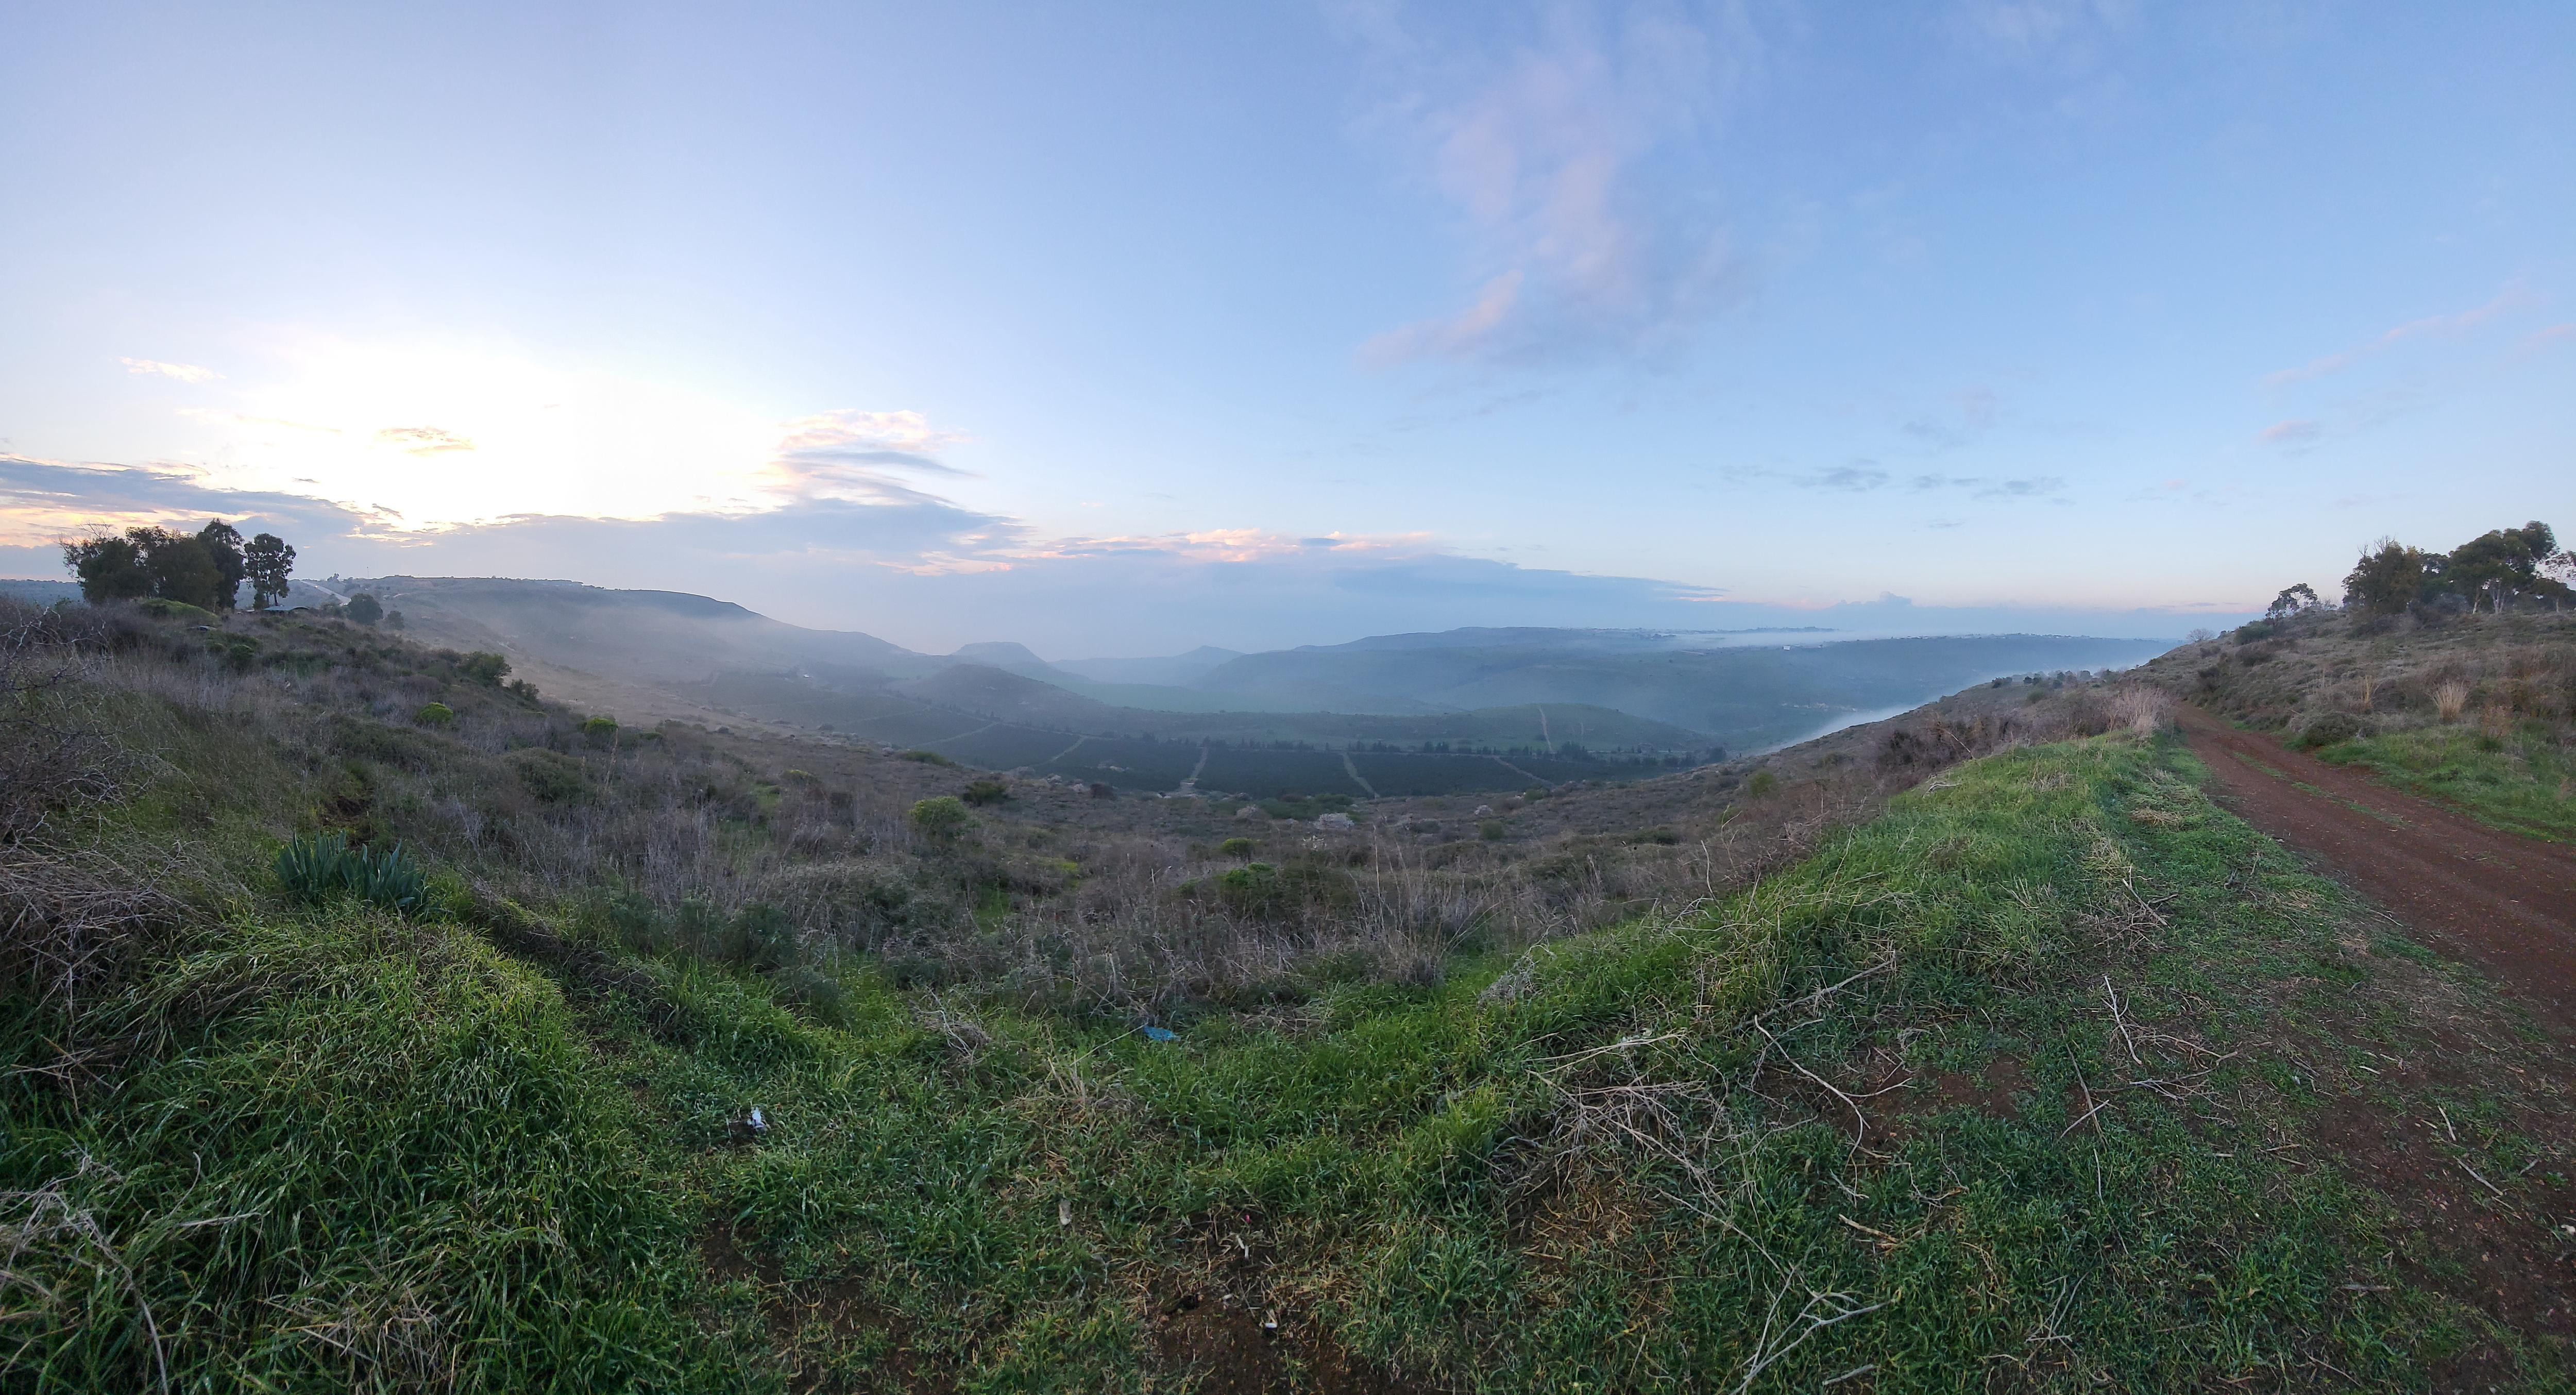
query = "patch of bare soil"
{"x": 837, "y": 1313}
{"x": 1216, "y": 1319}
{"x": 2504, "y": 903}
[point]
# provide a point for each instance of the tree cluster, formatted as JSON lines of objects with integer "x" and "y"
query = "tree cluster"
{"x": 203, "y": 569}
{"x": 2494, "y": 571}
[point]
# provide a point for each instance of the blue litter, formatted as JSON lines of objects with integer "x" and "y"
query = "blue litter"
{"x": 1161, "y": 1034}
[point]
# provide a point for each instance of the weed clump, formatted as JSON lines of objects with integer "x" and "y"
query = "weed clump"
{"x": 325, "y": 868}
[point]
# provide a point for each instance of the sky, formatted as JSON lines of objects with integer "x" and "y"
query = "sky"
{"x": 1119, "y": 329}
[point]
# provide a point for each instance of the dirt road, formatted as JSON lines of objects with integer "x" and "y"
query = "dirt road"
{"x": 2504, "y": 903}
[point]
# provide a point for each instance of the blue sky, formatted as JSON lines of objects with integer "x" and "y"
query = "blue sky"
{"x": 1120, "y": 329}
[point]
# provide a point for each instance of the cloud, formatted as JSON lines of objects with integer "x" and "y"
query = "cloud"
{"x": 422, "y": 440}
{"x": 2292, "y": 433}
{"x": 1572, "y": 145}
{"x": 846, "y": 453}
{"x": 184, "y": 372}
{"x": 1973, "y": 417}
{"x": 1855, "y": 478}
{"x": 2542, "y": 338}
{"x": 42, "y": 501}
{"x": 1983, "y": 487}
{"x": 2513, "y": 298}
{"x": 2059, "y": 34}
{"x": 931, "y": 574}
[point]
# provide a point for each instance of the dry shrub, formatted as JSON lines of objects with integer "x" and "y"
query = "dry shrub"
{"x": 2141, "y": 708}
{"x": 2449, "y": 698}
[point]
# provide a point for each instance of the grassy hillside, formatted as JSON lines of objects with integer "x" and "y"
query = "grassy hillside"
{"x": 2048, "y": 1074}
{"x": 2475, "y": 710}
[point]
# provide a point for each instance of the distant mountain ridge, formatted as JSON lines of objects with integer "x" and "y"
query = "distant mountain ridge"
{"x": 1736, "y": 689}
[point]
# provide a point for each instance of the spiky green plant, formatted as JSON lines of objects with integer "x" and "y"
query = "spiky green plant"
{"x": 324, "y": 866}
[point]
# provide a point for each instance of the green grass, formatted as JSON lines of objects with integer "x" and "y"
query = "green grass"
{"x": 354, "y": 1151}
{"x": 2523, "y": 783}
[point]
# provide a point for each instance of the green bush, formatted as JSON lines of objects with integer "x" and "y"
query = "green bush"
{"x": 1235, "y": 847}
{"x": 484, "y": 668}
{"x": 600, "y": 731}
{"x": 941, "y": 818}
{"x": 325, "y": 867}
{"x": 984, "y": 792}
{"x": 1491, "y": 830}
{"x": 552, "y": 776}
{"x": 926, "y": 758}
{"x": 436, "y": 714}
{"x": 1762, "y": 783}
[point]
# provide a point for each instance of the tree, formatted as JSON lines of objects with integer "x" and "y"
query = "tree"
{"x": 184, "y": 570}
{"x": 366, "y": 609}
{"x": 393, "y": 620}
{"x": 2292, "y": 600}
{"x": 484, "y": 667}
{"x": 2557, "y": 581}
{"x": 224, "y": 542}
{"x": 146, "y": 562}
{"x": 2386, "y": 580}
{"x": 2501, "y": 565}
{"x": 110, "y": 568}
{"x": 268, "y": 561}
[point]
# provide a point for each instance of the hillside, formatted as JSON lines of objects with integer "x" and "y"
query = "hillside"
{"x": 2475, "y": 710}
{"x": 1980, "y": 1038}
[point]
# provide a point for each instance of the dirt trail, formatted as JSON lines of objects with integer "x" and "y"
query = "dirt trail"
{"x": 2504, "y": 903}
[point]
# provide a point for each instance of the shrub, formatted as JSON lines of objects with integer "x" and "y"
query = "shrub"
{"x": 1235, "y": 847}
{"x": 366, "y": 609}
{"x": 600, "y": 731}
{"x": 760, "y": 935}
{"x": 926, "y": 758}
{"x": 487, "y": 669}
{"x": 1491, "y": 830}
{"x": 1762, "y": 783}
{"x": 325, "y": 867}
{"x": 552, "y": 776}
{"x": 2329, "y": 729}
{"x": 941, "y": 818}
{"x": 436, "y": 714}
{"x": 984, "y": 792}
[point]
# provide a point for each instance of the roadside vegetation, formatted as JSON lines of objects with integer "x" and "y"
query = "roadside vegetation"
{"x": 374, "y": 1024}
{"x": 2450, "y": 675}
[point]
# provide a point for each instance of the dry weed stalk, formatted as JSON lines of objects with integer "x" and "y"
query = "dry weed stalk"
{"x": 2449, "y": 698}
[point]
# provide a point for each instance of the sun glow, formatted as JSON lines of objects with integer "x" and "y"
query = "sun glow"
{"x": 433, "y": 437}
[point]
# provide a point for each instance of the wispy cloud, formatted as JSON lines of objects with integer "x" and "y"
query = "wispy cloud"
{"x": 2056, "y": 33}
{"x": 2431, "y": 326}
{"x": 1986, "y": 487}
{"x": 184, "y": 372}
{"x": 1865, "y": 476}
{"x": 845, "y": 454}
{"x": 2292, "y": 433}
{"x": 1538, "y": 124}
{"x": 42, "y": 501}
{"x": 1970, "y": 417}
{"x": 422, "y": 440}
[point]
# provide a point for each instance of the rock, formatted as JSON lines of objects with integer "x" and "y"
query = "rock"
{"x": 1339, "y": 821}
{"x": 1484, "y": 809}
